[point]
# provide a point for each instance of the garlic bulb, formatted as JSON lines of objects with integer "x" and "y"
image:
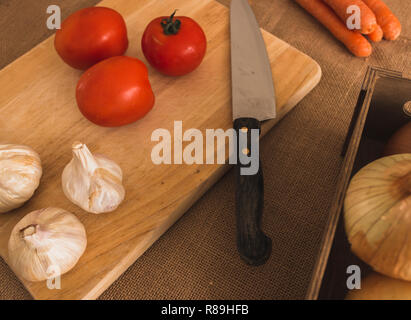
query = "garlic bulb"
{"x": 93, "y": 182}
{"x": 378, "y": 215}
{"x": 20, "y": 173}
{"x": 46, "y": 243}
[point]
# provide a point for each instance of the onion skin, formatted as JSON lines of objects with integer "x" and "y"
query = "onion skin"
{"x": 400, "y": 142}
{"x": 378, "y": 287}
{"x": 377, "y": 215}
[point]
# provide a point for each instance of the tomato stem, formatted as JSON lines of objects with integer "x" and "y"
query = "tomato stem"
{"x": 171, "y": 26}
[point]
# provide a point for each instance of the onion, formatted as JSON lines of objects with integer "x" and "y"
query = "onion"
{"x": 378, "y": 287}
{"x": 377, "y": 214}
{"x": 400, "y": 142}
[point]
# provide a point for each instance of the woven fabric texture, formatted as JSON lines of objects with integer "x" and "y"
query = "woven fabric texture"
{"x": 197, "y": 257}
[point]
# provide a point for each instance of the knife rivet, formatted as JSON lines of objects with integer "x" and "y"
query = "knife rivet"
{"x": 246, "y": 151}
{"x": 244, "y": 129}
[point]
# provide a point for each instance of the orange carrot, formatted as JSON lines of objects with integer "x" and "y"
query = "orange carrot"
{"x": 376, "y": 35}
{"x": 368, "y": 19}
{"x": 389, "y": 23}
{"x": 354, "y": 41}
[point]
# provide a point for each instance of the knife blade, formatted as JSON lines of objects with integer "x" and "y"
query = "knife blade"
{"x": 252, "y": 80}
{"x": 253, "y": 101}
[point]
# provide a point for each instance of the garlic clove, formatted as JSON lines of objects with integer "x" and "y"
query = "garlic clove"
{"x": 20, "y": 174}
{"x": 93, "y": 182}
{"x": 46, "y": 243}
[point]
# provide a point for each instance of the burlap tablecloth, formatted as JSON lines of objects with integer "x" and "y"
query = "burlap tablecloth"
{"x": 197, "y": 257}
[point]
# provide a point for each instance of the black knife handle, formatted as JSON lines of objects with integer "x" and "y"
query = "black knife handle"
{"x": 253, "y": 245}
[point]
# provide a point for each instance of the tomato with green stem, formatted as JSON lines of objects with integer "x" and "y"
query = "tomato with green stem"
{"x": 175, "y": 46}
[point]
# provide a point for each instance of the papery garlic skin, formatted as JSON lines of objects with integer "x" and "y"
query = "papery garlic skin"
{"x": 45, "y": 244}
{"x": 377, "y": 215}
{"x": 93, "y": 182}
{"x": 20, "y": 173}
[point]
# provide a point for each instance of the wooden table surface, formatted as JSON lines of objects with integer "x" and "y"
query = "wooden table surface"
{"x": 197, "y": 258}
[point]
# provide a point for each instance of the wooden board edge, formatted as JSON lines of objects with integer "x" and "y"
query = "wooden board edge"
{"x": 299, "y": 95}
{"x": 130, "y": 259}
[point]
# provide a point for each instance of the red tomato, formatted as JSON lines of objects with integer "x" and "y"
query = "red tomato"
{"x": 115, "y": 92}
{"x": 91, "y": 35}
{"x": 174, "y": 46}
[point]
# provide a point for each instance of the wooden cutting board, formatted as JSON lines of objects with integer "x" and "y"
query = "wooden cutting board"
{"x": 38, "y": 108}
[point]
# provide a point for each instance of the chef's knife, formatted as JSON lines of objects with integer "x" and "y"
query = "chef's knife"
{"x": 253, "y": 101}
